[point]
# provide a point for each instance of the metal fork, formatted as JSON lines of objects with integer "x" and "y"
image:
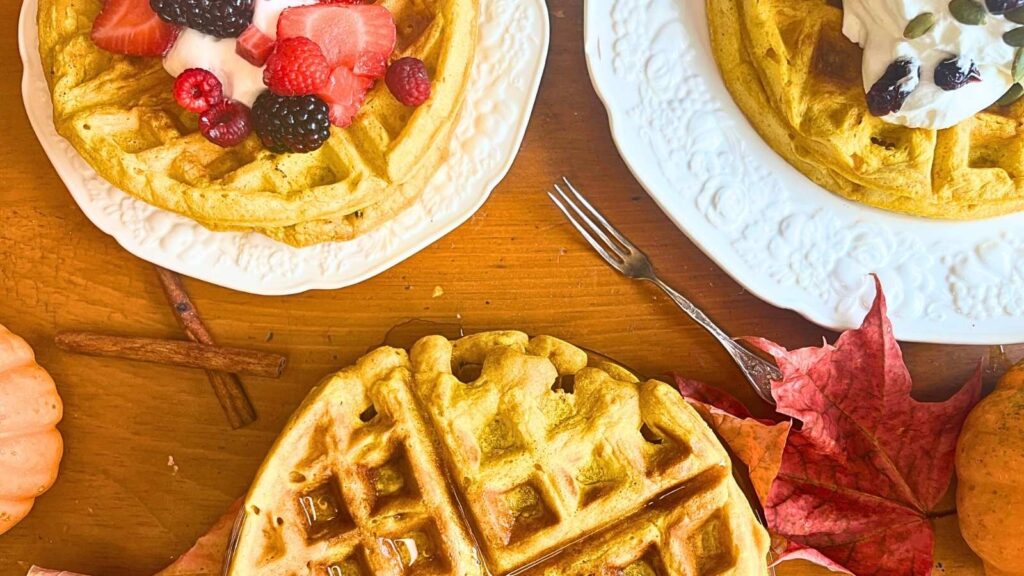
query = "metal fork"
{"x": 624, "y": 256}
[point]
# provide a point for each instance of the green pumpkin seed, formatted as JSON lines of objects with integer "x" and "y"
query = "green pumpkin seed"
{"x": 1011, "y": 96}
{"x": 968, "y": 12}
{"x": 1015, "y": 16}
{"x": 1014, "y": 37}
{"x": 919, "y": 26}
{"x": 1018, "y": 65}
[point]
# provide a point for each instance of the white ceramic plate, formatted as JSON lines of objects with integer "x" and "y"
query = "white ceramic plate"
{"x": 781, "y": 236}
{"x": 509, "y": 63}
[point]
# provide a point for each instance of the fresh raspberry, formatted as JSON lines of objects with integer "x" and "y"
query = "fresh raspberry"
{"x": 296, "y": 68}
{"x": 196, "y": 90}
{"x": 371, "y": 65}
{"x": 226, "y": 123}
{"x": 408, "y": 80}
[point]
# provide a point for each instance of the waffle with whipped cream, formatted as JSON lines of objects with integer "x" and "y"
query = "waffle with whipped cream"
{"x": 801, "y": 83}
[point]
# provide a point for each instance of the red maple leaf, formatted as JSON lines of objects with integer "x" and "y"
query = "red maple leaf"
{"x": 702, "y": 393}
{"x": 857, "y": 480}
{"x": 757, "y": 443}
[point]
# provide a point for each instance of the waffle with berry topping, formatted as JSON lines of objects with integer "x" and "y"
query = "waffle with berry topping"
{"x": 798, "y": 80}
{"x": 119, "y": 112}
{"x": 495, "y": 454}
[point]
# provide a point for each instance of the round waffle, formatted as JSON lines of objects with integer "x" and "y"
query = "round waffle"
{"x": 798, "y": 80}
{"x": 495, "y": 454}
{"x": 119, "y": 113}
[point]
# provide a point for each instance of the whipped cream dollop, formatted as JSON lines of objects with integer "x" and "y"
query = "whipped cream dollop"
{"x": 241, "y": 80}
{"x": 879, "y": 25}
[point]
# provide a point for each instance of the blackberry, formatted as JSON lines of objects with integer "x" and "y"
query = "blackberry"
{"x": 891, "y": 91}
{"x": 291, "y": 123}
{"x": 951, "y": 74}
{"x": 1003, "y": 6}
{"x": 220, "y": 18}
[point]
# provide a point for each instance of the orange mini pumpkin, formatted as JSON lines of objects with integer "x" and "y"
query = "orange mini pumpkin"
{"x": 990, "y": 468}
{"x": 30, "y": 445}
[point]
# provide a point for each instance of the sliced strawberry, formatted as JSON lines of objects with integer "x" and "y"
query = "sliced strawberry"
{"x": 344, "y": 95}
{"x": 131, "y": 27}
{"x": 254, "y": 46}
{"x": 371, "y": 65}
{"x": 344, "y": 32}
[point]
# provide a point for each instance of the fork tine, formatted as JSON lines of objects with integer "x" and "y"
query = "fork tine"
{"x": 599, "y": 217}
{"x": 612, "y": 261}
{"x": 594, "y": 228}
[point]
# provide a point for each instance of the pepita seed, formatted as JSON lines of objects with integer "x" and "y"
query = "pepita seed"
{"x": 1018, "y": 65}
{"x": 1015, "y": 16}
{"x": 919, "y": 26}
{"x": 1011, "y": 96}
{"x": 967, "y": 12}
{"x": 1014, "y": 37}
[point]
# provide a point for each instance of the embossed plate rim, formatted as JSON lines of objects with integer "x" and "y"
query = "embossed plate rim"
{"x": 230, "y": 259}
{"x": 954, "y": 296}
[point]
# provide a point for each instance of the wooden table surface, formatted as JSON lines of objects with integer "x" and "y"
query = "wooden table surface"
{"x": 120, "y": 507}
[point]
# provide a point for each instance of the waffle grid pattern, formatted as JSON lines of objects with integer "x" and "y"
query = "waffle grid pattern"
{"x": 540, "y": 449}
{"x": 798, "y": 78}
{"x": 118, "y": 112}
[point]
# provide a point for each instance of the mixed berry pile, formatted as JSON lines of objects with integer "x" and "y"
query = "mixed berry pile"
{"x": 326, "y": 58}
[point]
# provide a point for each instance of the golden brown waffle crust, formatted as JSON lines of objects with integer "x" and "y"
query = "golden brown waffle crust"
{"x": 499, "y": 454}
{"x": 820, "y": 123}
{"x": 119, "y": 114}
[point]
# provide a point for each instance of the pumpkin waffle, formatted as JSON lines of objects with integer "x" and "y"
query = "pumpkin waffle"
{"x": 119, "y": 113}
{"x": 495, "y": 454}
{"x": 798, "y": 80}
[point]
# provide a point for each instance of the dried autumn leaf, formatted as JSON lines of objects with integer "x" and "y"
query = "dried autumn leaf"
{"x": 710, "y": 395}
{"x": 207, "y": 556}
{"x": 858, "y": 479}
{"x": 757, "y": 443}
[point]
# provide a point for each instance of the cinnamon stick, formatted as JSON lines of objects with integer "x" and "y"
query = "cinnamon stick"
{"x": 226, "y": 386}
{"x": 174, "y": 352}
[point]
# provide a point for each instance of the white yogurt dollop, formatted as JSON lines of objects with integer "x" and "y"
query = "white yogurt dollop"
{"x": 878, "y": 26}
{"x": 241, "y": 80}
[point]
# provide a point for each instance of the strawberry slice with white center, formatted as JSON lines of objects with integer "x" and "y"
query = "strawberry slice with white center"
{"x": 344, "y": 95}
{"x": 131, "y": 27}
{"x": 344, "y": 32}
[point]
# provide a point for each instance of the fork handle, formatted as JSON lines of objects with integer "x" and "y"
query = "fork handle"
{"x": 693, "y": 312}
{"x": 758, "y": 371}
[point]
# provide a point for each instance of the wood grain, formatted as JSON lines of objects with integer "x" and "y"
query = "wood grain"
{"x": 122, "y": 507}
